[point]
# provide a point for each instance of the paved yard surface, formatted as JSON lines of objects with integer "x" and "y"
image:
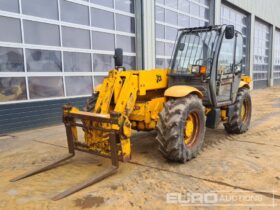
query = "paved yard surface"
{"x": 246, "y": 166}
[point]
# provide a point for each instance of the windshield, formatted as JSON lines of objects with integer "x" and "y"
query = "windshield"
{"x": 196, "y": 48}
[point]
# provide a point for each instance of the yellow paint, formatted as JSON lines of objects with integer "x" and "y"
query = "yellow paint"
{"x": 246, "y": 79}
{"x": 243, "y": 112}
{"x": 74, "y": 133}
{"x": 141, "y": 126}
{"x": 119, "y": 93}
{"x": 244, "y": 84}
{"x": 189, "y": 128}
{"x": 207, "y": 110}
{"x": 224, "y": 115}
{"x": 152, "y": 80}
{"x": 117, "y": 88}
{"x": 126, "y": 149}
{"x": 127, "y": 128}
{"x": 178, "y": 91}
{"x": 147, "y": 111}
{"x": 139, "y": 112}
{"x": 127, "y": 95}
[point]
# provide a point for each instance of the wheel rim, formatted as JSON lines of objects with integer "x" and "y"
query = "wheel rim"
{"x": 191, "y": 129}
{"x": 244, "y": 113}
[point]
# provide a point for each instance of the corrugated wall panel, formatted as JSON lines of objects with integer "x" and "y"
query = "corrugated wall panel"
{"x": 21, "y": 116}
{"x": 266, "y": 10}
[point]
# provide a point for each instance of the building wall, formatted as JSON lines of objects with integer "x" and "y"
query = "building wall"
{"x": 53, "y": 49}
{"x": 56, "y": 51}
{"x": 21, "y": 116}
{"x": 268, "y": 10}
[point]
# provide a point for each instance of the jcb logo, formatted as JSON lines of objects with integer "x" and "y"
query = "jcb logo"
{"x": 159, "y": 79}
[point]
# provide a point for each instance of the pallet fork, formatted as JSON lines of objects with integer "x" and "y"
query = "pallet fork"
{"x": 69, "y": 120}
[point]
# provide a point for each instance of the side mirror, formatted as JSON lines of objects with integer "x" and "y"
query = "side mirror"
{"x": 118, "y": 57}
{"x": 229, "y": 32}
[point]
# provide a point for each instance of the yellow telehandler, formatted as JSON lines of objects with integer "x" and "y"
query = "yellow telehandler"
{"x": 203, "y": 87}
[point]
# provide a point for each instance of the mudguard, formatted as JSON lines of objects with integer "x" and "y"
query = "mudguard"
{"x": 244, "y": 84}
{"x": 179, "y": 91}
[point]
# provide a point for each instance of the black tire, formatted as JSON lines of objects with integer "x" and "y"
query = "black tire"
{"x": 91, "y": 101}
{"x": 171, "y": 128}
{"x": 238, "y": 124}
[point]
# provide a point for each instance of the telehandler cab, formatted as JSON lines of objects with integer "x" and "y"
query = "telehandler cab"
{"x": 203, "y": 87}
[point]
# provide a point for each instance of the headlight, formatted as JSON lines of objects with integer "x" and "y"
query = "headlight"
{"x": 195, "y": 69}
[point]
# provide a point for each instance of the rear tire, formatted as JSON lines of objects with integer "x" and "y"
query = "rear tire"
{"x": 91, "y": 101}
{"x": 174, "y": 142}
{"x": 241, "y": 118}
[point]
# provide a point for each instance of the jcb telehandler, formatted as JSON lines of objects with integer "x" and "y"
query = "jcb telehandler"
{"x": 203, "y": 87}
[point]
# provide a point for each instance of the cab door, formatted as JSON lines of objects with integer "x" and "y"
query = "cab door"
{"x": 238, "y": 65}
{"x": 228, "y": 71}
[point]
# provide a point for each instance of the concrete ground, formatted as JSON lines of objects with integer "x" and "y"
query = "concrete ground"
{"x": 242, "y": 171}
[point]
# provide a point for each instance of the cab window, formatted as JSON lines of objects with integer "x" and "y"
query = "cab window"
{"x": 226, "y": 56}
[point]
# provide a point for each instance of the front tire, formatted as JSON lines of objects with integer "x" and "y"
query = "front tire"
{"x": 181, "y": 128}
{"x": 241, "y": 118}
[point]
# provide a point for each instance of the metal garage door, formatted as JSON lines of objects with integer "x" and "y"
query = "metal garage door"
{"x": 240, "y": 21}
{"x": 276, "y": 66}
{"x": 262, "y": 43}
{"x": 174, "y": 14}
